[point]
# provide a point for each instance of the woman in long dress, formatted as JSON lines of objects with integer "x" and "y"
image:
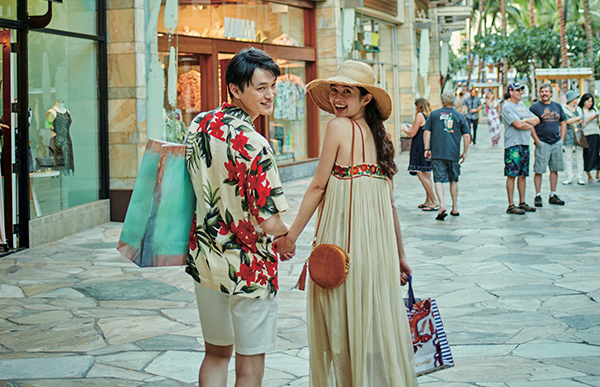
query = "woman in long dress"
{"x": 418, "y": 164}
{"x": 591, "y": 129}
{"x": 493, "y": 113}
{"x": 358, "y": 332}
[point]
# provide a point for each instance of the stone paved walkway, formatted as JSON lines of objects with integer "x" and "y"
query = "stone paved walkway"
{"x": 518, "y": 295}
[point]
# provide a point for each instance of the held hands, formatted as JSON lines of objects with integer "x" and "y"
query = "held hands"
{"x": 285, "y": 247}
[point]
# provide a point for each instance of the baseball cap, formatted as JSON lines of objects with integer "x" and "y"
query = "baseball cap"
{"x": 515, "y": 86}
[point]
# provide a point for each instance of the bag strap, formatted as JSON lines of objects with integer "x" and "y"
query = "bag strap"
{"x": 411, "y": 295}
{"x": 314, "y": 244}
{"x": 301, "y": 284}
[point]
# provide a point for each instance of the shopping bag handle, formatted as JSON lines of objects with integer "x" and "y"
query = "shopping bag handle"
{"x": 411, "y": 294}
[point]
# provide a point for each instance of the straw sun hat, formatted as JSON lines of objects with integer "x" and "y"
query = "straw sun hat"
{"x": 350, "y": 73}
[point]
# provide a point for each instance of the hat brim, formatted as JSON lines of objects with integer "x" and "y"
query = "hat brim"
{"x": 319, "y": 91}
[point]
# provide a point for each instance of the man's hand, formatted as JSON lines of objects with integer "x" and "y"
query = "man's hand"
{"x": 463, "y": 157}
{"x": 285, "y": 247}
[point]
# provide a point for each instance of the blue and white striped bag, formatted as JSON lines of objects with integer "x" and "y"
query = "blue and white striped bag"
{"x": 432, "y": 351}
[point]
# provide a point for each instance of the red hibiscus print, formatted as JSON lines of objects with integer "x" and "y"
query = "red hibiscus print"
{"x": 216, "y": 131}
{"x": 224, "y": 228}
{"x": 193, "y": 245}
{"x": 238, "y": 143}
{"x": 204, "y": 123}
{"x": 245, "y": 235}
{"x": 246, "y": 274}
{"x": 263, "y": 191}
{"x": 275, "y": 282}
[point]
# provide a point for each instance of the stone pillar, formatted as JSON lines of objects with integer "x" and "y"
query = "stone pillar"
{"x": 329, "y": 47}
{"x": 434, "y": 62}
{"x": 407, "y": 48}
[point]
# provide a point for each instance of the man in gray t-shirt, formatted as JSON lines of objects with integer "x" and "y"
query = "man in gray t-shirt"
{"x": 518, "y": 123}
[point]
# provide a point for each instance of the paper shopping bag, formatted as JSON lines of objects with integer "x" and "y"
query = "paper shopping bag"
{"x": 432, "y": 352}
{"x": 157, "y": 225}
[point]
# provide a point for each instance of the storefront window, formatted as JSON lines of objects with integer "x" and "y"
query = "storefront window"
{"x": 260, "y": 22}
{"x": 374, "y": 43}
{"x": 184, "y": 79}
{"x": 70, "y": 15}
{"x": 63, "y": 132}
{"x": 288, "y": 121}
{"x": 8, "y": 9}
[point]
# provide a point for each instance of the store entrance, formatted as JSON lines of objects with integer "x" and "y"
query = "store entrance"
{"x": 7, "y": 124}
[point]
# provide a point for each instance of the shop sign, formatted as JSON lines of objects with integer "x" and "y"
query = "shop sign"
{"x": 387, "y": 6}
{"x": 239, "y": 28}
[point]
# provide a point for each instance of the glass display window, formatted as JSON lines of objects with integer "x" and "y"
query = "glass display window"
{"x": 287, "y": 124}
{"x": 70, "y": 15}
{"x": 257, "y": 21}
{"x": 64, "y": 123}
{"x": 8, "y": 9}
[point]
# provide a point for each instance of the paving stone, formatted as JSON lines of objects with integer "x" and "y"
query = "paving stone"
{"x": 45, "y": 367}
{"x": 139, "y": 289}
{"x": 166, "y": 342}
{"x": 178, "y": 365}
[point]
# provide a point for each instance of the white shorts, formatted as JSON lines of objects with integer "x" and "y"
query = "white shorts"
{"x": 249, "y": 324}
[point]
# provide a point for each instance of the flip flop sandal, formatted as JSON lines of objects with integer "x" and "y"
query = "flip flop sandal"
{"x": 421, "y": 206}
{"x": 455, "y": 213}
{"x": 430, "y": 208}
{"x": 441, "y": 216}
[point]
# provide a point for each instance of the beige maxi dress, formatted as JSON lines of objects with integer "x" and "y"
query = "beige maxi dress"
{"x": 358, "y": 332}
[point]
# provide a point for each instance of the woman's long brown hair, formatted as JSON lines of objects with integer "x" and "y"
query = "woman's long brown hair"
{"x": 383, "y": 144}
{"x": 423, "y": 106}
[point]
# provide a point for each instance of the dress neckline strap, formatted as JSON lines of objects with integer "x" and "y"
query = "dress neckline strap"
{"x": 362, "y": 137}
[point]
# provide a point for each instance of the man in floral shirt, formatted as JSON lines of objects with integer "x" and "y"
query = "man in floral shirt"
{"x": 239, "y": 198}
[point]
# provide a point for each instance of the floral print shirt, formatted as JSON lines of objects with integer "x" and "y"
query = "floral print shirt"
{"x": 237, "y": 186}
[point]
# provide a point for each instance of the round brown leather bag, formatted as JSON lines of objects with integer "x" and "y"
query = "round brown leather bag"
{"x": 328, "y": 264}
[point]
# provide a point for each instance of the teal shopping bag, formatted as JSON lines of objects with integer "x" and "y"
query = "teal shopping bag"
{"x": 157, "y": 226}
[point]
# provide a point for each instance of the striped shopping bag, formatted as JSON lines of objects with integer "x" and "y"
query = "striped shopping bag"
{"x": 432, "y": 351}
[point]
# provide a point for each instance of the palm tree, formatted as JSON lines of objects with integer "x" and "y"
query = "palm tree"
{"x": 588, "y": 40}
{"x": 531, "y": 16}
{"x": 563, "y": 36}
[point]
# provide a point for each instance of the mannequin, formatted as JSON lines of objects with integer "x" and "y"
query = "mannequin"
{"x": 61, "y": 146}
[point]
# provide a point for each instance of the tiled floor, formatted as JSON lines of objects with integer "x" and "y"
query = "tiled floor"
{"x": 518, "y": 295}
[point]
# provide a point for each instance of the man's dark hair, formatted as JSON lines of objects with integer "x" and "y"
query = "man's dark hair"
{"x": 241, "y": 68}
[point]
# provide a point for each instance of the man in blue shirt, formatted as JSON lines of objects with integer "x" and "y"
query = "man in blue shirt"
{"x": 548, "y": 136}
{"x": 471, "y": 106}
{"x": 443, "y": 130}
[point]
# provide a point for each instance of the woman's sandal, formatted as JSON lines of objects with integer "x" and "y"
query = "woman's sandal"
{"x": 441, "y": 215}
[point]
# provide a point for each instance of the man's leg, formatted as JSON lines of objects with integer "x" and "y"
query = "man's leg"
{"x": 439, "y": 191}
{"x": 521, "y": 181}
{"x": 249, "y": 370}
{"x": 213, "y": 371}
{"x": 475, "y": 122}
{"x": 537, "y": 182}
{"x": 454, "y": 195}
{"x": 510, "y": 189}
{"x": 553, "y": 180}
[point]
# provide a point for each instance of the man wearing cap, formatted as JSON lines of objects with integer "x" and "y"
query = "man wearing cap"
{"x": 518, "y": 123}
{"x": 548, "y": 136}
{"x": 470, "y": 107}
{"x": 574, "y": 120}
{"x": 443, "y": 130}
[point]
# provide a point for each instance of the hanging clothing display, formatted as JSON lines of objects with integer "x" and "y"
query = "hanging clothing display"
{"x": 289, "y": 103}
{"x": 175, "y": 129}
{"x": 188, "y": 90}
{"x": 61, "y": 146}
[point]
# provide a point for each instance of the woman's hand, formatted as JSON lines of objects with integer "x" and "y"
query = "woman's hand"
{"x": 405, "y": 271}
{"x": 285, "y": 247}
